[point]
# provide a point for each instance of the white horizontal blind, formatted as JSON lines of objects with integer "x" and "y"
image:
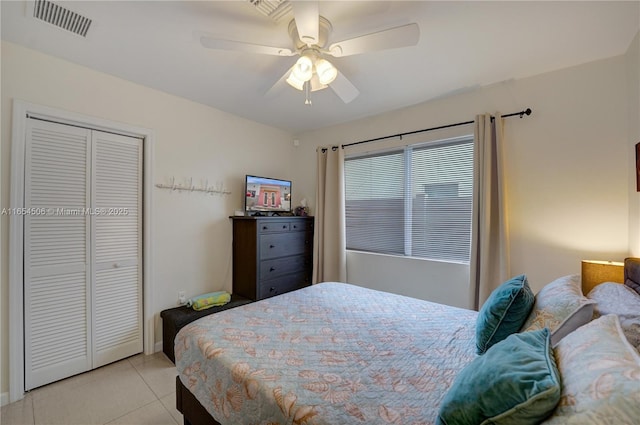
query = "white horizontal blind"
{"x": 412, "y": 202}
{"x": 374, "y": 202}
{"x": 56, "y": 264}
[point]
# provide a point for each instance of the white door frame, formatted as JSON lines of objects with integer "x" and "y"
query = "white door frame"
{"x": 16, "y": 226}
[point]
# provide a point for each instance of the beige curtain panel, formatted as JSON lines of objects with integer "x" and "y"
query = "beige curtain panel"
{"x": 329, "y": 246}
{"x": 490, "y": 228}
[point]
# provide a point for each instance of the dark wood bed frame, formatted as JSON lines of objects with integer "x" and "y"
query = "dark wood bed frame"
{"x": 192, "y": 411}
{"x": 195, "y": 414}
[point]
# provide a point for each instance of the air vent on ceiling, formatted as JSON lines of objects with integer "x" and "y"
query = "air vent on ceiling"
{"x": 61, "y": 17}
{"x": 274, "y": 9}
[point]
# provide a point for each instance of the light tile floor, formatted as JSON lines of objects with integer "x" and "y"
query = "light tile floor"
{"x": 139, "y": 390}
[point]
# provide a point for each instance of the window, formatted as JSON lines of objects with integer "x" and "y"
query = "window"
{"x": 415, "y": 201}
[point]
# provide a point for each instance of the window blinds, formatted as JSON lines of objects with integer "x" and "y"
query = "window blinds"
{"x": 414, "y": 201}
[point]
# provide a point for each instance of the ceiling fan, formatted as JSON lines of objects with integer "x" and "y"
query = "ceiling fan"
{"x": 309, "y": 34}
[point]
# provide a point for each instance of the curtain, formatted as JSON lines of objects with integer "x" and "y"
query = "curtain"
{"x": 329, "y": 255}
{"x": 490, "y": 229}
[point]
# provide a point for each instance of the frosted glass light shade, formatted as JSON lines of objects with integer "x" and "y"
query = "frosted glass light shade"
{"x": 295, "y": 82}
{"x": 303, "y": 69}
{"x": 326, "y": 71}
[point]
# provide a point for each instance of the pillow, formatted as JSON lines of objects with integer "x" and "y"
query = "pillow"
{"x": 515, "y": 382}
{"x": 503, "y": 313}
{"x": 600, "y": 375}
{"x": 561, "y": 307}
{"x": 613, "y": 298}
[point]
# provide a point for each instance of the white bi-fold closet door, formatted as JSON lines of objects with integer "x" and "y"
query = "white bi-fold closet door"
{"x": 82, "y": 250}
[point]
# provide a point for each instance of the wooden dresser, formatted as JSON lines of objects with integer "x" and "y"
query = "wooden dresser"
{"x": 271, "y": 255}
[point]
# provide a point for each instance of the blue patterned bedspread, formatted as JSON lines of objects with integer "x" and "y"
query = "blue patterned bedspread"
{"x": 330, "y": 353}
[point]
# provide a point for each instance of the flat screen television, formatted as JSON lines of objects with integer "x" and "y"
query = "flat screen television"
{"x": 266, "y": 195}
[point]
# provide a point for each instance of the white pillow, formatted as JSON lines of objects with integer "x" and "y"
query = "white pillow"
{"x": 613, "y": 298}
{"x": 561, "y": 307}
{"x": 600, "y": 375}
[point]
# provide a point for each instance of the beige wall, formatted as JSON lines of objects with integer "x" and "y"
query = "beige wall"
{"x": 567, "y": 172}
{"x": 569, "y": 188}
{"x": 192, "y": 232}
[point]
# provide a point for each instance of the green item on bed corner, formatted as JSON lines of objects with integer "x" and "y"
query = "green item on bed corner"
{"x": 212, "y": 299}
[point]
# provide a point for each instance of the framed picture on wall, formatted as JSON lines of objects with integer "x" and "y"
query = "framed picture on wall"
{"x": 638, "y": 167}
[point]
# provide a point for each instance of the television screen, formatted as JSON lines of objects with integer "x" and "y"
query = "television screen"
{"x": 264, "y": 194}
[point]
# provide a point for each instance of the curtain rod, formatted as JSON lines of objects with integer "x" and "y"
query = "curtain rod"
{"x": 520, "y": 114}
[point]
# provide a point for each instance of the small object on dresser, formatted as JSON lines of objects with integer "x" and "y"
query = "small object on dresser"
{"x": 301, "y": 211}
{"x": 212, "y": 299}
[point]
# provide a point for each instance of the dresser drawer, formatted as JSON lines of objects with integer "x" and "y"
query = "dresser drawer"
{"x": 273, "y": 226}
{"x": 270, "y": 288}
{"x": 282, "y": 244}
{"x": 301, "y": 225}
{"x": 270, "y": 269}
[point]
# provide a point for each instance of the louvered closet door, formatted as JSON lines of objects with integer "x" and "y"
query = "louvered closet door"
{"x": 56, "y": 260}
{"x": 117, "y": 253}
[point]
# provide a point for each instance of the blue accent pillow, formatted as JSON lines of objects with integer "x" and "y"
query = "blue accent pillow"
{"x": 504, "y": 312}
{"x": 515, "y": 382}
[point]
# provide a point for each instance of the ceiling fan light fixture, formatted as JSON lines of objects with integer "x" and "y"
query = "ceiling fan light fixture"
{"x": 303, "y": 69}
{"x": 315, "y": 83}
{"x": 294, "y": 81}
{"x": 326, "y": 71}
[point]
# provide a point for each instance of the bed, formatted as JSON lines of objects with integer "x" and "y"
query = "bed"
{"x": 336, "y": 353}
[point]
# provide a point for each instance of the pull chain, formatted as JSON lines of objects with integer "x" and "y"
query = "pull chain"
{"x": 307, "y": 90}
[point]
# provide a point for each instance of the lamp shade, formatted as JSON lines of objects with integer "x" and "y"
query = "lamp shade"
{"x": 294, "y": 81}
{"x": 303, "y": 69}
{"x": 326, "y": 71}
{"x": 596, "y": 272}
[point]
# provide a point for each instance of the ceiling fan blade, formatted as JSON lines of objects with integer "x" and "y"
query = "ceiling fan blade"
{"x": 344, "y": 89}
{"x": 279, "y": 85}
{"x": 307, "y": 16}
{"x": 239, "y": 46}
{"x": 403, "y": 36}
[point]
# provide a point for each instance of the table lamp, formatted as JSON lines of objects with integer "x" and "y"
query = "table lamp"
{"x": 596, "y": 272}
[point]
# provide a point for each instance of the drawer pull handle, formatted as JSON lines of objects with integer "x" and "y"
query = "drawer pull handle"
{"x": 272, "y": 269}
{"x": 273, "y": 288}
{"x": 265, "y": 227}
{"x": 272, "y": 246}
{"x": 284, "y": 227}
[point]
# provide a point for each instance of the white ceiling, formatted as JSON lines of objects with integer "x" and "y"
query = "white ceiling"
{"x": 462, "y": 45}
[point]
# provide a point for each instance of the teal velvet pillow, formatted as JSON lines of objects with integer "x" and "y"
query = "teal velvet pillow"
{"x": 515, "y": 382}
{"x": 504, "y": 312}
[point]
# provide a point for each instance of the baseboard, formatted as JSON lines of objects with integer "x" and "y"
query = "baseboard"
{"x": 4, "y": 399}
{"x": 157, "y": 347}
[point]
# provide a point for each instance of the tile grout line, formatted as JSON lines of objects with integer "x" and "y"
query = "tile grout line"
{"x": 131, "y": 411}
{"x": 152, "y": 392}
{"x": 145, "y": 383}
